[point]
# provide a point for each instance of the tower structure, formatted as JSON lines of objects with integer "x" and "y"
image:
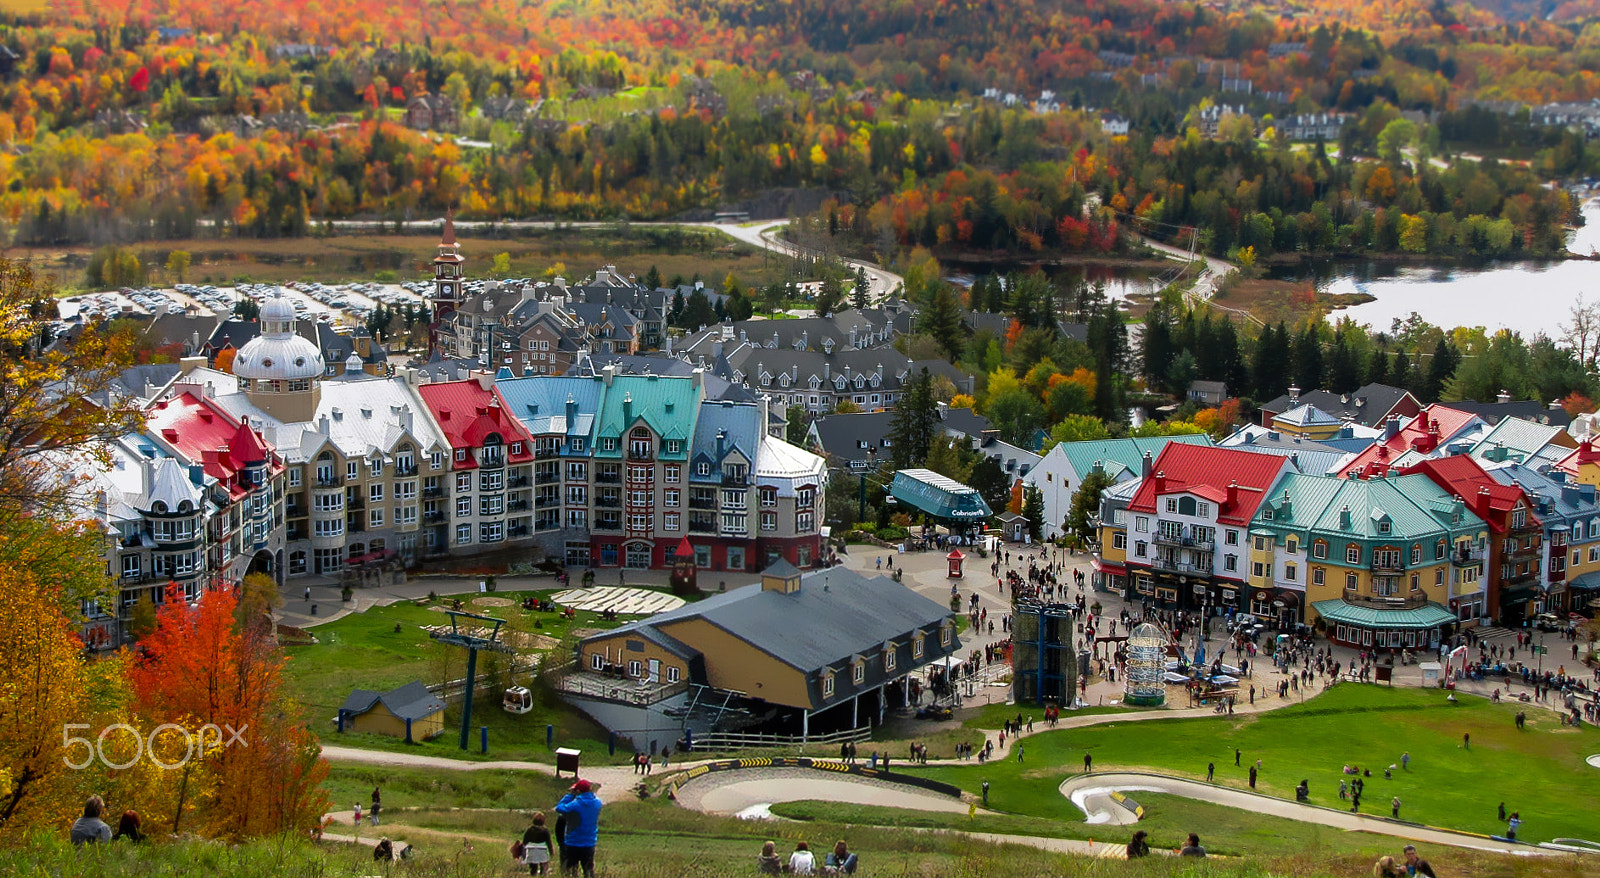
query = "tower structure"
{"x": 446, "y": 295}
{"x": 279, "y": 371}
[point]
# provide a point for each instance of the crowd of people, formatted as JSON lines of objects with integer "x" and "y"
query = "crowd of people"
{"x": 839, "y": 861}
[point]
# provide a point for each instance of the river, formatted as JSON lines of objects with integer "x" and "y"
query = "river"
{"x": 1527, "y": 297}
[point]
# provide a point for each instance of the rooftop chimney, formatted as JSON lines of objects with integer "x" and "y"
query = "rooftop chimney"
{"x": 1294, "y": 395}
{"x": 1502, "y": 397}
{"x": 1148, "y": 464}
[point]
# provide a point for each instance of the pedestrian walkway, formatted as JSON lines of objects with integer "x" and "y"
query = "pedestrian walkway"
{"x": 627, "y": 601}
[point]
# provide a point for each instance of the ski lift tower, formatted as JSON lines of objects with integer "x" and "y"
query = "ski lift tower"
{"x": 458, "y": 636}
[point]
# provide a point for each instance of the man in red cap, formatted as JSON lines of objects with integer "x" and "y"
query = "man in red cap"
{"x": 582, "y": 809}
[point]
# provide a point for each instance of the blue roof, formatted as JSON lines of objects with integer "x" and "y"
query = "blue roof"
{"x": 740, "y": 424}
{"x": 938, "y": 495}
{"x": 540, "y": 402}
{"x": 1121, "y": 454}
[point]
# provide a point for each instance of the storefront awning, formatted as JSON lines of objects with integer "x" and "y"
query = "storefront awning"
{"x": 1108, "y": 567}
{"x": 1587, "y": 580}
{"x": 1430, "y": 616}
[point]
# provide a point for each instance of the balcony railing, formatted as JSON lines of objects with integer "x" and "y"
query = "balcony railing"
{"x": 1179, "y": 567}
{"x": 696, "y": 503}
{"x": 1467, "y": 558}
{"x": 1188, "y": 542}
{"x": 547, "y": 452}
{"x": 355, "y": 501}
{"x": 1388, "y": 565}
{"x": 516, "y": 506}
{"x": 702, "y": 527}
{"x": 328, "y": 481}
{"x": 546, "y": 478}
{"x": 608, "y": 478}
{"x": 733, "y": 481}
{"x": 644, "y": 456}
{"x": 410, "y": 470}
{"x": 434, "y": 491}
{"x": 608, "y": 524}
{"x": 433, "y": 517}
{"x": 546, "y": 502}
{"x": 517, "y": 532}
{"x": 516, "y": 482}
{"x": 608, "y": 502}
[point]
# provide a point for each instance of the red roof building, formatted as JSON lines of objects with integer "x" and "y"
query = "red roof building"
{"x": 201, "y": 432}
{"x": 1187, "y": 526}
{"x": 492, "y": 457}
{"x": 1426, "y": 434}
{"x": 1516, "y": 536}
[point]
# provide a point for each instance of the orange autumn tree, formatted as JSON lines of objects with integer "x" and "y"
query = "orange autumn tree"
{"x": 204, "y": 667}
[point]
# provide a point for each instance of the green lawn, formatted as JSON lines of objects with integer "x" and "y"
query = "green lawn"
{"x": 1539, "y": 772}
{"x": 363, "y": 650}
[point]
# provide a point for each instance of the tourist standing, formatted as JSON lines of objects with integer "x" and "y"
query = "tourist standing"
{"x": 582, "y": 808}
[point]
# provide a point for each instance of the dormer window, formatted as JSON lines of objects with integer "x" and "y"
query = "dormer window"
{"x": 858, "y": 672}
{"x": 1383, "y": 526}
{"x": 827, "y": 684}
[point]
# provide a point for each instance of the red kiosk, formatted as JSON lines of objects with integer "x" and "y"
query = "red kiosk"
{"x": 955, "y": 558}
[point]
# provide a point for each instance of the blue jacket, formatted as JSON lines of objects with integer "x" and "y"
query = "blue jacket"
{"x": 584, "y": 830}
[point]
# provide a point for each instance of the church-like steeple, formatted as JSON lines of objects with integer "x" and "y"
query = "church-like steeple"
{"x": 446, "y": 294}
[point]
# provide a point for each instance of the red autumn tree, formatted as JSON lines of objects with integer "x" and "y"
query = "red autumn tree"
{"x": 204, "y": 666}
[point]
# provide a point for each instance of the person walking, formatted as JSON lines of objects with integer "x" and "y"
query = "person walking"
{"x": 1236, "y": 758}
{"x": 1343, "y": 790}
{"x": 1466, "y": 740}
{"x": 536, "y": 847}
{"x": 1405, "y": 761}
{"x": 1502, "y": 812}
{"x": 582, "y": 808}
{"x": 1394, "y": 807}
{"x": 1512, "y": 824}
{"x": 1088, "y": 763}
{"x": 1211, "y": 771}
{"x": 1252, "y": 777}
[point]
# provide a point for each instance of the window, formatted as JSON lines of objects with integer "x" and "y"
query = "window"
{"x": 769, "y": 521}
{"x": 495, "y": 505}
{"x": 1352, "y": 554}
{"x": 376, "y": 466}
{"x": 1438, "y": 550}
{"x": 1256, "y": 569}
{"x": 888, "y": 659}
{"x": 859, "y": 672}
{"x": 352, "y": 471}
{"x": 1230, "y": 563}
{"x": 577, "y": 446}
{"x": 1349, "y": 582}
{"x": 1416, "y": 553}
{"x": 827, "y": 685}
{"x": 332, "y": 528}
{"x": 1260, "y": 544}
{"x": 578, "y": 518}
{"x": 577, "y": 471}
{"x": 639, "y": 521}
{"x": 130, "y": 566}
{"x": 1141, "y": 524}
{"x": 1202, "y": 509}
{"x": 463, "y": 482}
{"x": 1383, "y": 526}
{"x": 671, "y": 472}
{"x": 674, "y": 446}
{"x": 375, "y": 493}
{"x": 577, "y": 495}
{"x": 463, "y": 506}
{"x": 1438, "y": 576}
{"x": 805, "y": 522}
{"x": 516, "y": 448}
{"x": 297, "y": 562}
{"x": 1319, "y": 550}
{"x": 805, "y": 498}
{"x": 492, "y": 480}
{"x": 1119, "y": 540}
{"x": 435, "y": 459}
{"x": 916, "y": 646}
{"x": 673, "y": 674}
{"x": 491, "y": 532}
{"x": 463, "y": 533}
{"x": 597, "y": 661}
{"x": 769, "y": 496}
{"x": 703, "y": 468}
{"x": 670, "y": 497}
{"x": 1230, "y": 538}
{"x": 1289, "y": 572}
{"x": 1172, "y": 504}
{"x": 294, "y": 477}
{"x": 608, "y": 444}
{"x": 669, "y": 521}
{"x": 376, "y": 518}
{"x": 635, "y": 668}
{"x": 1141, "y": 549}
{"x": 1319, "y": 576}
{"x": 944, "y": 635}
{"x": 1291, "y": 545}
{"x": 332, "y": 502}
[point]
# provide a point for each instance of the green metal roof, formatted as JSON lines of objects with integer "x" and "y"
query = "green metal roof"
{"x": 1521, "y": 439}
{"x": 938, "y": 495}
{"x": 1414, "y": 506}
{"x": 1430, "y": 616}
{"x": 1121, "y": 454}
{"x": 668, "y": 404}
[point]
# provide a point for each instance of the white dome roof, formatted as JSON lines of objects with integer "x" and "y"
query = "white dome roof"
{"x": 278, "y": 353}
{"x": 277, "y": 310}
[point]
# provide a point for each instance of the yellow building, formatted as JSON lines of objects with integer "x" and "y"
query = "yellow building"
{"x": 410, "y": 712}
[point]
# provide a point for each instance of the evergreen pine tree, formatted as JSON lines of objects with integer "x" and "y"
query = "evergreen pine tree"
{"x": 1307, "y": 368}
{"x": 1378, "y": 367}
{"x": 1033, "y": 510}
{"x": 860, "y": 296}
{"x": 1271, "y": 363}
{"x": 942, "y": 320}
{"x": 915, "y": 421}
{"x": 1440, "y": 369}
{"x": 1403, "y": 375}
{"x": 1086, "y": 504}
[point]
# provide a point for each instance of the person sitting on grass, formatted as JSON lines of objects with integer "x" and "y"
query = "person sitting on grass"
{"x": 840, "y": 860}
{"x": 1193, "y": 848}
{"x": 1139, "y": 846}
{"x": 384, "y": 852}
{"x": 768, "y": 863}
{"x": 802, "y": 861}
{"x": 1386, "y": 867}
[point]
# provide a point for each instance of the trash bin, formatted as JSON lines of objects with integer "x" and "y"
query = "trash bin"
{"x": 567, "y": 760}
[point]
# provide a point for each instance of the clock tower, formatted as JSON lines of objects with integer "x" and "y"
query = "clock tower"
{"x": 446, "y": 280}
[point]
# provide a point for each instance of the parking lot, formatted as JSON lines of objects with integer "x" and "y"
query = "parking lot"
{"x": 350, "y": 303}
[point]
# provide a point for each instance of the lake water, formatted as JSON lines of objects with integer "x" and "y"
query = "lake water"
{"x": 1527, "y": 297}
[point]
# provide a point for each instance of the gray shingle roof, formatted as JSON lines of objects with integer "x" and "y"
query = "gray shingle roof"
{"x": 412, "y": 701}
{"x": 845, "y": 614}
